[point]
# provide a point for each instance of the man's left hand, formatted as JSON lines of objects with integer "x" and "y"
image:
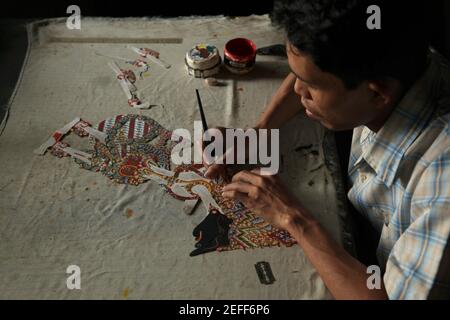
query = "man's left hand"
{"x": 265, "y": 196}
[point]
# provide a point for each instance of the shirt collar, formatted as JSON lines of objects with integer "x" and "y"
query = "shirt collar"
{"x": 384, "y": 150}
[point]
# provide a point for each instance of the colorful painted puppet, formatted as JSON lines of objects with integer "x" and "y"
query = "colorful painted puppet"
{"x": 132, "y": 149}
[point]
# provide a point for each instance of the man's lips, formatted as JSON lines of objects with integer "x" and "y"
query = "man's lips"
{"x": 311, "y": 115}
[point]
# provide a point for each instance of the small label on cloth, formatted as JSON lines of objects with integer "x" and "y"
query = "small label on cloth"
{"x": 264, "y": 272}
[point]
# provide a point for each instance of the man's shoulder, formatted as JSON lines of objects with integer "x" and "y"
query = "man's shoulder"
{"x": 433, "y": 142}
{"x": 434, "y": 139}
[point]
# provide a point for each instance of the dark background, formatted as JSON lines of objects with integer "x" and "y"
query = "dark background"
{"x": 439, "y": 11}
{"x": 128, "y": 8}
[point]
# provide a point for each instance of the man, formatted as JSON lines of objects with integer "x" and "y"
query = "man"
{"x": 395, "y": 93}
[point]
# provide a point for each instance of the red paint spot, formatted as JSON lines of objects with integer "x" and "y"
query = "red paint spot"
{"x": 57, "y": 135}
{"x": 146, "y": 128}
{"x": 129, "y": 213}
{"x": 101, "y": 126}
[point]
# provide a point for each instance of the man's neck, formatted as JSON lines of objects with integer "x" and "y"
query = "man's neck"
{"x": 399, "y": 92}
{"x": 376, "y": 124}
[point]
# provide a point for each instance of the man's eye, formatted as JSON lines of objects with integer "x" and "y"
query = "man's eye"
{"x": 308, "y": 85}
{"x": 312, "y": 87}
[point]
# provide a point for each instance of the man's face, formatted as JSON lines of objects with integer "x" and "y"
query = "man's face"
{"x": 325, "y": 97}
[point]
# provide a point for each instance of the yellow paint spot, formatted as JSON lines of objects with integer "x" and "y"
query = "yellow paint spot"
{"x": 125, "y": 293}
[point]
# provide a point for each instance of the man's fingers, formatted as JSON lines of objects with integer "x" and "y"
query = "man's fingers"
{"x": 242, "y": 197}
{"x": 221, "y": 156}
{"x": 236, "y": 195}
{"x": 214, "y": 171}
{"x": 249, "y": 177}
{"x": 258, "y": 172}
{"x": 248, "y": 189}
{"x": 239, "y": 196}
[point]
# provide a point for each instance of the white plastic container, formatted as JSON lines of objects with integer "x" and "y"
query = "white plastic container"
{"x": 203, "y": 61}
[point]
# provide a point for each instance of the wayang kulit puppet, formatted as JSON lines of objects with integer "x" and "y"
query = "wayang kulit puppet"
{"x": 132, "y": 149}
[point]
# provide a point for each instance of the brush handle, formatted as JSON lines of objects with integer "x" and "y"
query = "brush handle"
{"x": 202, "y": 116}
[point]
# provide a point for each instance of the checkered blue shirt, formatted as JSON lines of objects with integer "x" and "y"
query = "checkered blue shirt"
{"x": 400, "y": 180}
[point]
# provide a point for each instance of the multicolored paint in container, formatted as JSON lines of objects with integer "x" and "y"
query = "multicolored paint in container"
{"x": 240, "y": 55}
{"x": 203, "y": 61}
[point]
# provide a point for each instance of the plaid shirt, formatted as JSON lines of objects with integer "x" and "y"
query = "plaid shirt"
{"x": 400, "y": 178}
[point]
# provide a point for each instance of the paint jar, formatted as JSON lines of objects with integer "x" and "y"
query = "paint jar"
{"x": 240, "y": 55}
{"x": 203, "y": 61}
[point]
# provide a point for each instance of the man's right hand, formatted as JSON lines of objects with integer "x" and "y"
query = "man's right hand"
{"x": 283, "y": 106}
{"x": 215, "y": 170}
{"x": 222, "y": 165}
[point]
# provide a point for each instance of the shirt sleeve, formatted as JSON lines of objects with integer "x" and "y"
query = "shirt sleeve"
{"x": 417, "y": 267}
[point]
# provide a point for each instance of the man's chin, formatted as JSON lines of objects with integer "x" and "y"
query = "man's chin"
{"x": 335, "y": 127}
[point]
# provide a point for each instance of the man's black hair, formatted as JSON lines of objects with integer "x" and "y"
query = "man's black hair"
{"x": 335, "y": 35}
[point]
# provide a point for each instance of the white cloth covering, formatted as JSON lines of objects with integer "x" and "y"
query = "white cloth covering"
{"x": 134, "y": 242}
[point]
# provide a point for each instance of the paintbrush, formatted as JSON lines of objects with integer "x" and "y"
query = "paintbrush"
{"x": 202, "y": 113}
{"x": 224, "y": 175}
{"x": 202, "y": 116}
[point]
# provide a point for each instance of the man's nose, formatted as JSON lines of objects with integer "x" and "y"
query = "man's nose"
{"x": 301, "y": 90}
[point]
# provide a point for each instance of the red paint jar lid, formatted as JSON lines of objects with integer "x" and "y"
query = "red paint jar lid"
{"x": 240, "y": 50}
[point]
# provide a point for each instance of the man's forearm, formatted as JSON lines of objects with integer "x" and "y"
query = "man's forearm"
{"x": 344, "y": 276}
{"x": 284, "y": 105}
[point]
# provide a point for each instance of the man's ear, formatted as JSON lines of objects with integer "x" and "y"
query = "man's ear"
{"x": 383, "y": 91}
